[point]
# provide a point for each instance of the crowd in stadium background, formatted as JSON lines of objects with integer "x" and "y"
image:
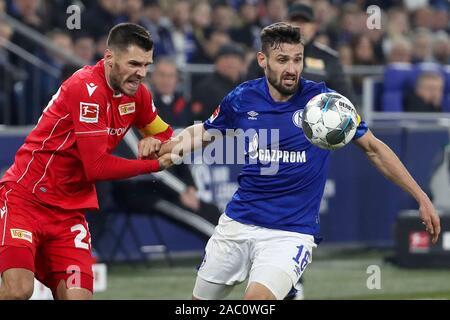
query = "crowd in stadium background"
{"x": 411, "y": 32}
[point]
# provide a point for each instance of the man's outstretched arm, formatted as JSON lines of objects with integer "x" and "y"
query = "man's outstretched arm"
{"x": 188, "y": 140}
{"x": 385, "y": 160}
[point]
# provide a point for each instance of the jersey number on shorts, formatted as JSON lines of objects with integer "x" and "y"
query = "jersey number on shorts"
{"x": 305, "y": 259}
{"x": 80, "y": 236}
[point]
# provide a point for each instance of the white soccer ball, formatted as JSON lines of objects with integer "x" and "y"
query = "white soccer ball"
{"x": 329, "y": 121}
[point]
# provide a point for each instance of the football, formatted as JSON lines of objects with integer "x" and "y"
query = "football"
{"x": 329, "y": 121}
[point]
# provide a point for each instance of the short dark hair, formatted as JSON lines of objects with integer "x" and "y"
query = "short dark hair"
{"x": 278, "y": 33}
{"x": 125, "y": 34}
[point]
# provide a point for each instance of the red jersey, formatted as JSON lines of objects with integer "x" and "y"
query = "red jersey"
{"x": 70, "y": 147}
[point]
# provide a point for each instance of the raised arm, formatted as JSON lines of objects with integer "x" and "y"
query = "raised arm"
{"x": 385, "y": 160}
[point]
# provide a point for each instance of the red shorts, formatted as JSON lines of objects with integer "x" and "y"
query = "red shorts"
{"x": 52, "y": 242}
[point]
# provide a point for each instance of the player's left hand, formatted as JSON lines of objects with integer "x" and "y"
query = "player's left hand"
{"x": 148, "y": 148}
{"x": 430, "y": 219}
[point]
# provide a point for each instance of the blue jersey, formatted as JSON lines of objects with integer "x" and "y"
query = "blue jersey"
{"x": 286, "y": 197}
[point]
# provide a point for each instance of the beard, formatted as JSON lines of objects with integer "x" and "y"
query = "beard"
{"x": 120, "y": 85}
{"x": 277, "y": 83}
{"x": 114, "y": 80}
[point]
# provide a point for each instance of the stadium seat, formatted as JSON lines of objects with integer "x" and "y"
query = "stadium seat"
{"x": 377, "y": 95}
{"x": 392, "y": 101}
{"x": 395, "y": 81}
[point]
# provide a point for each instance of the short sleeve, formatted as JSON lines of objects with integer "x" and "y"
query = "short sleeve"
{"x": 147, "y": 110}
{"x": 361, "y": 129}
{"x": 222, "y": 118}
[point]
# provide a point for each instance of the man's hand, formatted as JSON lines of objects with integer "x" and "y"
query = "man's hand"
{"x": 167, "y": 160}
{"x": 148, "y": 148}
{"x": 430, "y": 219}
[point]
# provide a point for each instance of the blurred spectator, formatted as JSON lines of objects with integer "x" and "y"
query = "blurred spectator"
{"x": 441, "y": 19}
{"x": 422, "y": 44}
{"x": 172, "y": 106}
{"x": 276, "y": 11}
{"x": 158, "y": 25}
{"x": 397, "y": 23}
{"x": 248, "y": 32}
{"x": 423, "y": 18}
{"x": 103, "y": 15}
{"x": 222, "y": 16}
{"x": 363, "y": 51}
{"x": 345, "y": 55}
{"x": 428, "y": 93}
{"x": 84, "y": 48}
{"x": 61, "y": 40}
{"x": 5, "y": 32}
{"x": 363, "y": 54}
{"x": 229, "y": 68}
{"x": 201, "y": 20}
{"x": 27, "y": 12}
{"x": 400, "y": 51}
{"x": 324, "y": 13}
{"x": 181, "y": 32}
{"x": 346, "y": 25}
{"x": 133, "y": 10}
{"x": 441, "y": 47}
{"x": 214, "y": 40}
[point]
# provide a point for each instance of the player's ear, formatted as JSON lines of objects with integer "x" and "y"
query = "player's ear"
{"x": 108, "y": 56}
{"x": 262, "y": 59}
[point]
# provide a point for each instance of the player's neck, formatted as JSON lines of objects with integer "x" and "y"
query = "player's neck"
{"x": 107, "y": 77}
{"x": 276, "y": 95}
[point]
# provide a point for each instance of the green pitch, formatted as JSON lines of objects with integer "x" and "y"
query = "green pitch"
{"x": 335, "y": 277}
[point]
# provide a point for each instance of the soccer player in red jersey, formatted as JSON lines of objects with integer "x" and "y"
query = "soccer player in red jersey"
{"x": 43, "y": 195}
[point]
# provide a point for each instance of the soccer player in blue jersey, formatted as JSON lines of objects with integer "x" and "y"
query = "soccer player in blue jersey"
{"x": 271, "y": 225}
